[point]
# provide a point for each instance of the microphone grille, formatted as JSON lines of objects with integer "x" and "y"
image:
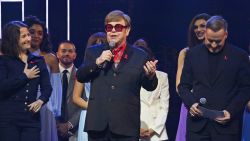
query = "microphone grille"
{"x": 111, "y": 44}
{"x": 203, "y": 100}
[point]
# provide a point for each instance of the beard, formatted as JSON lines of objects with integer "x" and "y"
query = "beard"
{"x": 66, "y": 61}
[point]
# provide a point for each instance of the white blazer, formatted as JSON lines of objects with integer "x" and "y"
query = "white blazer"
{"x": 154, "y": 108}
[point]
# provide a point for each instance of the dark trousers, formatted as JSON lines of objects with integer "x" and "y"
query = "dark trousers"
{"x": 16, "y": 133}
{"x": 107, "y": 135}
{"x": 209, "y": 133}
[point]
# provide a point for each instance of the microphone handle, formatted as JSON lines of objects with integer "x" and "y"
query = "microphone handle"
{"x": 105, "y": 64}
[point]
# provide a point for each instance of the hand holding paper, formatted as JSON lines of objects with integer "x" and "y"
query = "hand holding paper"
{"x": 209, "y": 113}
{"x": 225, "y": 118}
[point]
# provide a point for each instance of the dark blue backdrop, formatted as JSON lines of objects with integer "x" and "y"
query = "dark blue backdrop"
{"x": 162, "y": 23}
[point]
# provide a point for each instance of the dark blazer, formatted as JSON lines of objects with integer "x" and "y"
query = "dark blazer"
{"x": 229, "y": 91}
{"x": 115, "y": 92}
{"x": 17, "y": 91}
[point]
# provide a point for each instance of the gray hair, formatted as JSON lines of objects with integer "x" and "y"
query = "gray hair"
{"x": 216, "y": 23}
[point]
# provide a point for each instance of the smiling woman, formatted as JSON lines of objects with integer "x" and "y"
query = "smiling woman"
{"x": 20, "y": 79}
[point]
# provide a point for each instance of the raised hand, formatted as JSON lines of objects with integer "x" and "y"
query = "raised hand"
{"x": 150, "y": 68}
{"x": 106, "y": 55}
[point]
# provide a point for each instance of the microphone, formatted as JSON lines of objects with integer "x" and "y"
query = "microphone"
{"x": 203, "y": 101}
{"x": 209, "y": 113}
{"x": 111, "y": 46}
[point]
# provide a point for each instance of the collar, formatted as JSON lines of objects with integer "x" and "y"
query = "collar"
{"x": 36, "y": 53}
{"x": 61, "y": 68}
{"x": 118, "y": 52}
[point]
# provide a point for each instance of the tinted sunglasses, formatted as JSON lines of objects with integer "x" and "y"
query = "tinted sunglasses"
{"x": 118, "y": 27}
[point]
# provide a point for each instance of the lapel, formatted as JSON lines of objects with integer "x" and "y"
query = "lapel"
{"x": 222, "y": 62}
{"x": 128, "y": 52}
{"x": 203, "y": 58}
{"x": 145, "y": 96}
{"x": 155, "y": 94}
{"x": 71, "y": 82}
{"x": 148, "y": 97}
{"x": 126, "y": 56}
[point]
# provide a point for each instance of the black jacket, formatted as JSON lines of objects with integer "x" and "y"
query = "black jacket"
{"x": 229, "y": 90}
{"x": 17, "y": 91}
{"x": 115, "y": 92}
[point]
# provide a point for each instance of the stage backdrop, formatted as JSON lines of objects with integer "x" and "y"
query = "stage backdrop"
{"x": 163, "y": 23}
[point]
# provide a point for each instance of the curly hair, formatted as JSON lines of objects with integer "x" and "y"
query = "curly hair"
{"x": 46, "y": 45}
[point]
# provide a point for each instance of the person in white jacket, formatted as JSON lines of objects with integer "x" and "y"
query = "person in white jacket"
{"x": 154, "y": 105}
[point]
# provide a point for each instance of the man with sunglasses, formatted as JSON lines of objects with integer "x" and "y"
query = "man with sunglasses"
{"x": 215, "y": 76}
{"x": 114, "y": 104}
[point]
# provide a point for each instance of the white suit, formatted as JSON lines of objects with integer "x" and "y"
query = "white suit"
{"x": 154, "y": 108}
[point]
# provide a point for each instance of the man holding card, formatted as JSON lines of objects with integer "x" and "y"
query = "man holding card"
{"x": 218, "y": 73}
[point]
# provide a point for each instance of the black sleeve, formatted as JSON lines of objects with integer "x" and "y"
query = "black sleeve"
{"x": 46, "y": 88}
{"x": 150, "y": 84}
{"x": 88, "y": 70}
{"x": 243, "y": 81}
{"x": 185, "y": 86}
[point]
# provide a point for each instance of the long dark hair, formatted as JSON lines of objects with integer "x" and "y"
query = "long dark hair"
{"x": 11, "y": 37}
{"x": 46, "y": 45}
{"x": 192, "y": 39}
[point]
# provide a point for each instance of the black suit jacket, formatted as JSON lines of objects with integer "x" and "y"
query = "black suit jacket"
{"x": 115, "y": 92}
{"x": 229, "y": 91}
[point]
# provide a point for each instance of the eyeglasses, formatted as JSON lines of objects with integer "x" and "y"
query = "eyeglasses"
{"x": 118, "y": 27}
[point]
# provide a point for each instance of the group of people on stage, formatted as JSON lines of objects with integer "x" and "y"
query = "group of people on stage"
{"x": 117, "y": 94}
